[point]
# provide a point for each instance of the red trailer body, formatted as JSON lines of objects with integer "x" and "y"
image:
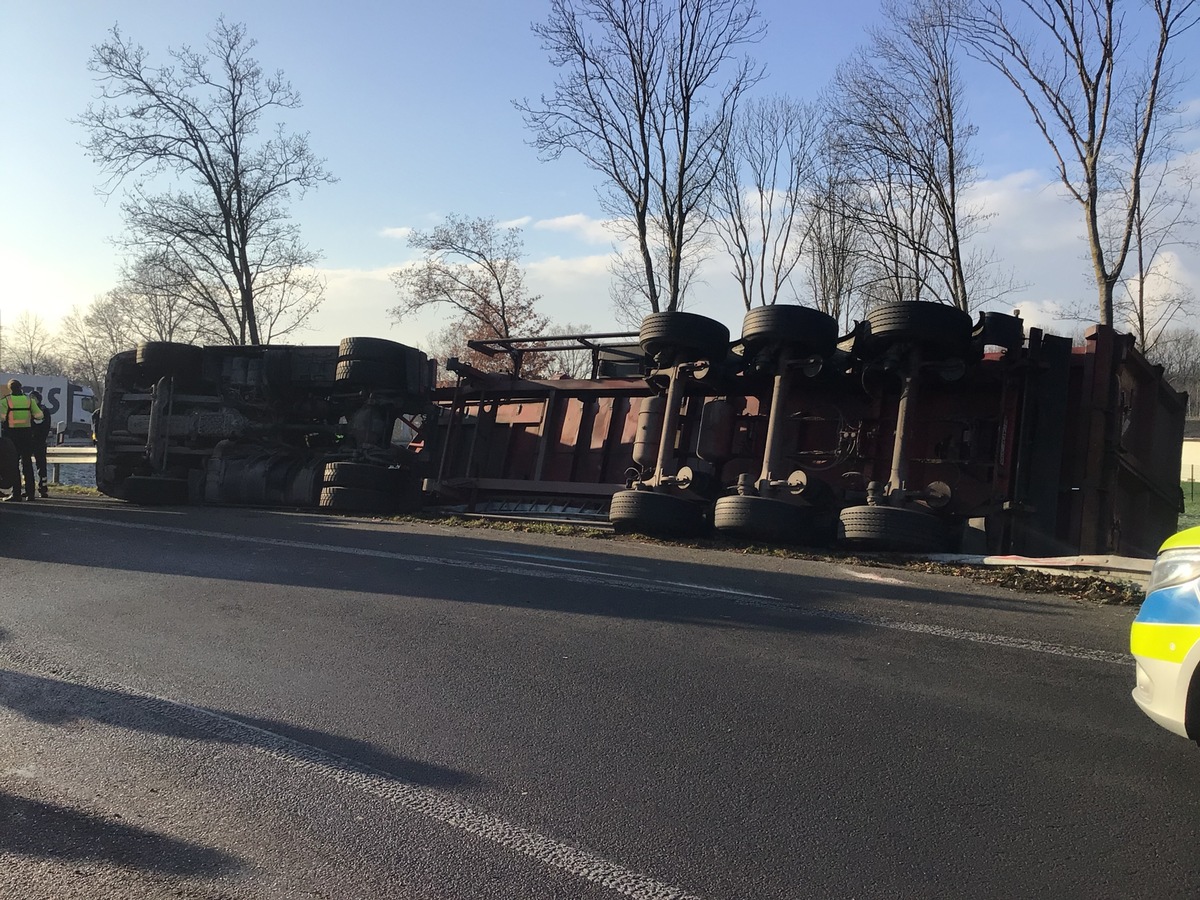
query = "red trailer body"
{"x": 1045, "y": 449}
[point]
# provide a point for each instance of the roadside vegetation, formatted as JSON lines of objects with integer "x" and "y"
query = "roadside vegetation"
{"x": 75, "y": 490}
{"x": 1190, "y": 516}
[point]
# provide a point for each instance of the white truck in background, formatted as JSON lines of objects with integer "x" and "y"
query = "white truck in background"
{"x": 68, "y": 404}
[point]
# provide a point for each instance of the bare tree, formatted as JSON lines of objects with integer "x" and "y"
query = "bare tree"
{"x": 227, "y": 242}
{"x": 835, "y": 246}
{"x": 472, "y": 266}
{"x": 89, "y": 338}
{"x": 640, "y": 98}
{"x": 1177, "y": 350}
{"x": 901, "y": 119}
{"x": 1096, "y": 95}
{"x": 154, "y": 305}
{"x": 1148, "y": 300}
{"x": 627, "y": 289}
{"x": 145, "y": 306}
{"x": 760, "y": 202}
{"x": 896, "y": 219}
{"x": 29, "y": 347}
{"x": 572, "y": 363}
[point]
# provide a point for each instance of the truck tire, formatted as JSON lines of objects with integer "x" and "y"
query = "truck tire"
{"x": 801, "y": 329}
{"x": 647, "y": 512}
{"x": 168, "y": 358}
{"x": 123, "y": 370}
{"x": 361, "y": 475}
{"x": 675, "y": 337}
{"x": 356, "y": 500}
{"x": 152, "y": 490}
{"x": 378, "y": 349}
{"x": 304, "y": 489}
{"x": 766, "y": 519}
{"x": 890, "y": 528}
{"x": 939, "y": 330}
{"x": 369, "y": 373}
{"x": 381, "y": 364}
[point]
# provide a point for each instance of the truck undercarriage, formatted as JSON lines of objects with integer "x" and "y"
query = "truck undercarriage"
{"x": 920, "y": 430}
{"x": 291, "y": 426}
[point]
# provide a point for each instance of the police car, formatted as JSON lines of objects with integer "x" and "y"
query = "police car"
{"x": 1165, "y": 637}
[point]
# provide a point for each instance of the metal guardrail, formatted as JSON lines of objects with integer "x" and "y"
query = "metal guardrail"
{"x": 68, "y": 455}
{"x": 65, "y": 455}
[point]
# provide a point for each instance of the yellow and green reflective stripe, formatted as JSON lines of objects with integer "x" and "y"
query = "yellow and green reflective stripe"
{"x": 1170, "y": 643}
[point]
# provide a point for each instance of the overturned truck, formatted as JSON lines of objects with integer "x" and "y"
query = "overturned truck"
{"x": 919, "y": 430}
{"x": 264, "y": 425}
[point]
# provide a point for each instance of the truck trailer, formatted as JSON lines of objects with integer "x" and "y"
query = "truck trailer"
{"x": 921, "y": 429}
{"x": 69, "y": 404}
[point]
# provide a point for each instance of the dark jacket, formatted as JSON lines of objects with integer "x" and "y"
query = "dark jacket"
{"x": 40, "y": 430}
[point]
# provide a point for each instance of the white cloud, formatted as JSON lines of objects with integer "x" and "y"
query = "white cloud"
{"x": 357, "y": 303}
{"x": 1175, "y": 271}
{"x": 1027, "y": 213}
{"x": 515, "y": 223}
{"x": 594, "y": 231}
{"x": 1037, "y": 234}
{"x": 400, "y": 233}
{"x": 557, "y": 268}
{"x": 573, "y": 289}
{"x": 1047, "y": 315}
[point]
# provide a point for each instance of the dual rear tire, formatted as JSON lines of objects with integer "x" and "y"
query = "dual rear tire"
{"x": 766, "y": 519}
{"x": 379, "y": 364}
{"x": 670, "y": 338}
{"x": 652, "y": 513}
{"x": 889, "y": 528}
{"x": 941, "y": 331}
{"x": 360, "y": 488}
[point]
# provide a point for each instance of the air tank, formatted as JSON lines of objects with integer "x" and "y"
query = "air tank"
{"x": 649, "y": 431}
{"x": 717, "y": 424}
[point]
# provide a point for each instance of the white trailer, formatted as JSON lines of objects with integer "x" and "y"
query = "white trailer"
{"x": 68, "y": 404}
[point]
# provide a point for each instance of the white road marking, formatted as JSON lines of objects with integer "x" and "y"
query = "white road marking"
{"x": 567, "y": 573}
{"x": 871, "y": 576}
{"x": 452, "y": 812}
{"x": 678, "y": 588}
{"x": 534, "y": 556}
{"x": 957, "y": 634}
{"x": 423, "y": 801}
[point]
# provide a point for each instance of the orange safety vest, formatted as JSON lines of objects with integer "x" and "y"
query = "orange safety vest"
{"x": 20, "y": 415}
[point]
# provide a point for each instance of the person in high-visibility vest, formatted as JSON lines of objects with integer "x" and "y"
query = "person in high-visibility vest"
{"x": 18, "y": 413}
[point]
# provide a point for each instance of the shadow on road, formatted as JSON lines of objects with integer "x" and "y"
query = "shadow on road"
{"x": 43, "y": 830}
{"x": 347, "y": 557}
{"x": 53, "y": 701}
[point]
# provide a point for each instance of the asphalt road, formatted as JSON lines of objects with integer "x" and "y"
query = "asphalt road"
{"x": 244, "y": 704}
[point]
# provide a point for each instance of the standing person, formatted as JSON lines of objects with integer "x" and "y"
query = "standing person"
{"x": 17, "y": 414}
{"x": 41, "y": 434}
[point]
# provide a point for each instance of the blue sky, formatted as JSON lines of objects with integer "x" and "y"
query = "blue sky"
{"x": 411, "y": 106}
